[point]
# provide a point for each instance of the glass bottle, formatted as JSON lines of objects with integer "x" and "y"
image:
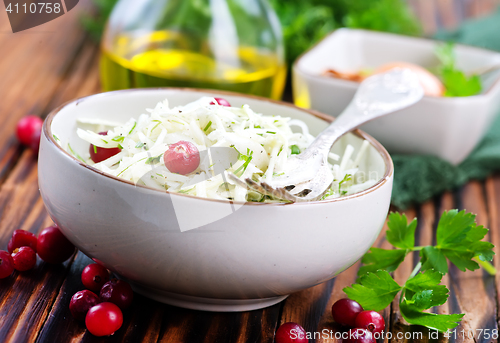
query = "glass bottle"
{"x": 231, "y": 45}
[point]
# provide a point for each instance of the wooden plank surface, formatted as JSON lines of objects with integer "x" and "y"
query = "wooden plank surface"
{"x": 54, "y": 63}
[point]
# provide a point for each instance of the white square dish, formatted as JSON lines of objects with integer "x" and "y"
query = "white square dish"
{"x": 447, "y": 127}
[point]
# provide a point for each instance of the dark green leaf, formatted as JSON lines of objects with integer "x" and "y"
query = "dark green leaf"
{"x": 400, "y": 234}
{"x": 453, "y": 227}
{"x": 455, "y": 82}
{"x": 381, "y": 259}
{"x": 458, "y": 238}
{"x": 440, "y": 322}
{"x": 375, "y": 291}
{"x": 432, "y": 258}
{"x": 425, "y": 288}
{"x": 461, "y": 259}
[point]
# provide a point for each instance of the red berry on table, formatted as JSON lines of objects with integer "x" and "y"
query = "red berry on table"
{"x": 344, "y": 311}
{"x": 359, "y": 336}
{"x": 98, "y": 154}
{"x": 53, "y": 247}
{"x": 222, "y": 102}
{"x": 104, "y": 319}
{"x": 182, "y": 158}
{"x": 6, "y": 264}
{"x": 117, "y": 292}
{"x": 94, "y": 276}
{"x": 81, "y": 302}
{"x": 24, "y": 258}
{"x": 28, "y": 131}
{"x": 370, "y": 320}
{"x": 290, "y": 333}
{"x": 21, "y": 238}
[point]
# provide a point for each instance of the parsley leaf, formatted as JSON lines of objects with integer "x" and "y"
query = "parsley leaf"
{"x": 375, "y": 291}
{"x": 377, "y": 259}
{"x": 458, "y": 238}
{"x": 432, "y": 258}
{"x": 454, "y": 80}
{"x": 400, "y": 233}
{"x": 425, "y": 288}
{"x": 441, "y": 322}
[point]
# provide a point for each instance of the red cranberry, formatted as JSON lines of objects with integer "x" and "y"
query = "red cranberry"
{"x": 117, "y": 292}
{"x": 222, "y": 102}
{"x": 94, "y": 276}
{"x": 6, "y": 264}
{"x": 182, "y": 158}
{"x": 359, "y": 336}
{"x": 291, "y": 333}
{"x": 28, "y": 131}
{"x": 81, "y": 302}
{"x": 104, "y": 319}
{"x": 21, "y": 238}
{"x": 98, "y": 154}
{"x": 370, "y": 320}
{"x": 344, "y": 311}
{"x": 24, "y": 258}
{"x": 53, "y": 247}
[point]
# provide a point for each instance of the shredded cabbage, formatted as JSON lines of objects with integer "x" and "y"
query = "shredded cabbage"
{"x": 263, "y": 142}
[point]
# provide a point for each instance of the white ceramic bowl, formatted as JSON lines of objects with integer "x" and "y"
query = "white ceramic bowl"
{"x": 446, "y": 127}
{"x": 241, "y": 256}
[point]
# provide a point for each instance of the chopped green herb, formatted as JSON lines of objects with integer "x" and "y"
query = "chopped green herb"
{"x": 279, "y": 152}
{"x": 140, "y": 145}
{"x": 276, "y": 174}
{"x": 154, "y": 160}
{"x": 246, "y": 158}
{"x": 175, "y": 121}
{"x": 185, "y": 191}
{"x": 75, "y": 154}
{"x": 132, "y": 129}
{"x": 56, "y": 138}
{"x": 271, "y": 132}
{"x": 208, "y": 126}
{"x": 120, "y": 146}
{"x": 154, "y": 127}
{"x": 130, "y": 166}
{"x": 257, "y": 127}
{"x": 328, "y": 193}
{"x": 95, "y": 149}
{"x": 105, "y": 141}
{"x": 118, "y": 139}
{"x": 295, "y": 149}
{"x": 347, "y": 177}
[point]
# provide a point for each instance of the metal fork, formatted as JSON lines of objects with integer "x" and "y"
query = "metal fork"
{"x": 307, "y": 176}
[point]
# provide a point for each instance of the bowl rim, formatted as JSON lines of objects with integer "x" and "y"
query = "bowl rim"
{"x": 354, "y": 84}
{"x": 389, "y": 167}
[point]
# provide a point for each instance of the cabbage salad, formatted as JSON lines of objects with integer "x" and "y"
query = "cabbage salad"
{"x": 263, "y": 144}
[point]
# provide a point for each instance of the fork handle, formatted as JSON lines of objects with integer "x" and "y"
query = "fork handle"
{"x": 376, "y": 96}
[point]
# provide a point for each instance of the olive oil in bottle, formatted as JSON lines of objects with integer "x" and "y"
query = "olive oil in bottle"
{"x": 255, "y": 73}
{"x": 230, "y": 45}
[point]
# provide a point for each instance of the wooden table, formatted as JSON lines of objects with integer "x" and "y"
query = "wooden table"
{"x": 43, "y": 67}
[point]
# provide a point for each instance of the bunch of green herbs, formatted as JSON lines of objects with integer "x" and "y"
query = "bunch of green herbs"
{"x": 458, "y": 241}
